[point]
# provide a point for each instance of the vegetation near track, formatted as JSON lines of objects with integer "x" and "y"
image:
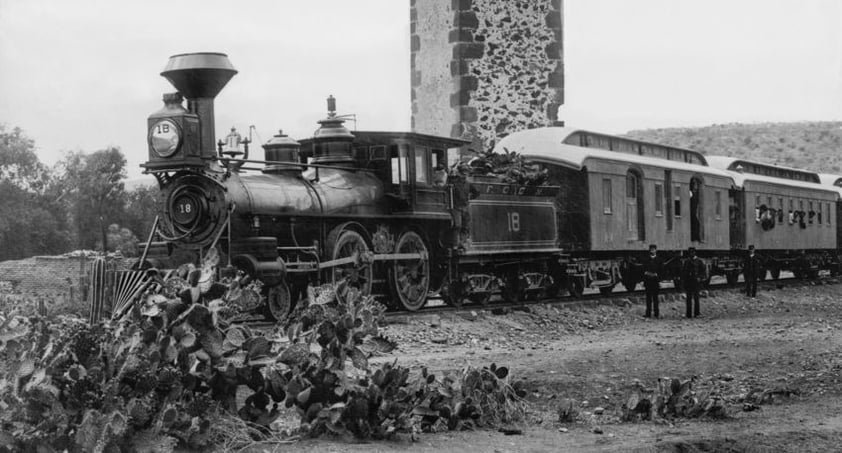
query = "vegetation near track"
{"x": 173, "y": 373}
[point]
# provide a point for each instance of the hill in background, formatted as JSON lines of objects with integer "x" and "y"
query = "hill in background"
{"x": 814, "y": 146}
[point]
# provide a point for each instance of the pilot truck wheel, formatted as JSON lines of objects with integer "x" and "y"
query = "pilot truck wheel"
{"x": 278, "y": 302}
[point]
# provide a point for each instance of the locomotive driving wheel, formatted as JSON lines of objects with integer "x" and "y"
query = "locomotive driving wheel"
{"x": 357, "y": 274}
{"x": 411, "y": 277}
{"x": 278, "y": 302}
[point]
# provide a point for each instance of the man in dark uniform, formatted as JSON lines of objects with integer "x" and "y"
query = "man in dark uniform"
{"x": 751, "y": 270}
{"x": 693, "y": 273}
{"x": 652, "y": 267}
{"x": 462, "y": 192}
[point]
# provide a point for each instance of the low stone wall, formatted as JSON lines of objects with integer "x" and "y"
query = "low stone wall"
{"x": 59, "y": 283}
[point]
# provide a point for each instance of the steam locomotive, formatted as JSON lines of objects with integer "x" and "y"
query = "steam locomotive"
{"x": 365, "y": 211}
{"x": 361, "y": 210}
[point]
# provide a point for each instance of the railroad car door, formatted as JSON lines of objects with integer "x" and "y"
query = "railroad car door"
{"x": 697, "y": 209}
{"x": 635, "y": 221}
{"x": 736, "y": 219}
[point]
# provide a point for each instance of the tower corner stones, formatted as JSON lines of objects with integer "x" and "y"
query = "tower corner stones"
{"x": 482, "y": 69}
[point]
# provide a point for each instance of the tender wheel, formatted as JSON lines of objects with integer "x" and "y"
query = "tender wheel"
{"x": 411, "y": 277}
{"x": 775, "y": 272}
{"x": 576, "y": 287}
{"x": 451, "y": 292}
{"x": 676, "y": 283}
{"x": 515, "y": 289}
{"x": 731, "y": 277}
{"x": 761, "y": 276}
{"x": 356, "y": 275}
{"x": 481, "y": 287}
{"x": 606, "y": 290}
{"x": 629, "y": 283}
{"x": 278, "y": 302}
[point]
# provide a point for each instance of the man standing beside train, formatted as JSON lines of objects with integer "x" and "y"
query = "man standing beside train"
{"x": 693, "y": 274}
{"x": 751, "y": 271}
{"x": 462, "y": 193}
{"x": 652, "y": 266}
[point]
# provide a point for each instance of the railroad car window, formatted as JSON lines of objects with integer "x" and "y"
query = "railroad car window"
{"x": 677, "y": 201}
{"x": 718, "y": 200}
{"x": 811, "y": 214}
{"x": 421, "y": 171}
{"x": 606, "y": 196}
{"x": 827, "y": 205}
{"x": 780, "y": 210}
{"x": 668, "y": 197}
{"x": 659, "y": 200}
{"x": 757, "y": 202}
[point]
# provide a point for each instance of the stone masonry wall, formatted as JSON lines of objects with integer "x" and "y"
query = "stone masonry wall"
{"x": 505, "y": 67}
{"x": 58, "y": 280}
{"x": 44, "y": 275}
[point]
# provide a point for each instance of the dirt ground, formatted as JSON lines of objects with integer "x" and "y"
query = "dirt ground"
{"x": 786, "y": 342}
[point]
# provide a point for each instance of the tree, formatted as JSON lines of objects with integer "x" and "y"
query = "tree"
{"x": 96, "y": 191}
{"x": 32, "y": 220}
{"x": 141, "y": 209}
{"x": 19, "y": 164}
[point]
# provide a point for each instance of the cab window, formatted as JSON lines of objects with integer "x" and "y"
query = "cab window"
{"x": 422, "y": 171}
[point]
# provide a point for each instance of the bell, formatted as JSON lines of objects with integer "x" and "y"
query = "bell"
{"x": 231, "y": 145}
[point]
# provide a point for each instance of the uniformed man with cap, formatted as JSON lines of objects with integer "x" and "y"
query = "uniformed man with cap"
{"x": 693, "y": 274}
{"x": 652, "y": 269}
{"x": 752, "y": 267}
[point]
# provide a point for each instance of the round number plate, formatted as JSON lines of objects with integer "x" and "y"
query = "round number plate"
{"x": 164, "y": 138}
{"x": 185, "y": 209}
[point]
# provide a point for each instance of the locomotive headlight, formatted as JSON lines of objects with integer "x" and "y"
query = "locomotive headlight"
{"x": 164, "y": 138}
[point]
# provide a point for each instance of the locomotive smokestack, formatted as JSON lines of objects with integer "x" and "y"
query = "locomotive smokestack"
{"x": 200, "y": 77}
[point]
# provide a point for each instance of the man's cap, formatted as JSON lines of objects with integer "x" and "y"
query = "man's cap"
{"x": 751, "y": 247}
{"x": 691, "y": 249}
{"x": 652, "y": 246}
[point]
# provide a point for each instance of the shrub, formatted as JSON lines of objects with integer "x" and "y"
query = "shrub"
{"x": 157, "y": 377}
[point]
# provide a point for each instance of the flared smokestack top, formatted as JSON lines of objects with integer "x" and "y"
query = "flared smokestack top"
{"x": 200, "y": 77}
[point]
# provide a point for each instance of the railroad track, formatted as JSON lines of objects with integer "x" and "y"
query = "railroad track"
{"x": 437, "y": 306}
{"x": 595, "y": 297}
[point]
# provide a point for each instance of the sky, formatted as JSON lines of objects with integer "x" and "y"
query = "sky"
{"x": 84, "y": 74}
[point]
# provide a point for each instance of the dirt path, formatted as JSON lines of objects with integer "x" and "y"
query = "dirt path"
{"x": 788, "y": 340}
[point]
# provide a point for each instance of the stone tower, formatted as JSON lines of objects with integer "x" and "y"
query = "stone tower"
{"x": 482, "y": 69}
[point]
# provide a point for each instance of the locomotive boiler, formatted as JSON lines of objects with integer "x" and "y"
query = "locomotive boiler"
{"x": 362, "y": 210}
